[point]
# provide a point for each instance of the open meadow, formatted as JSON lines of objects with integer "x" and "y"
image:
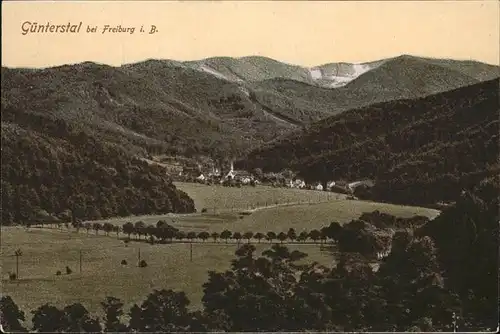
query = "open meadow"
{"x": 232, "y": 198}
{"x": 47, "y": 250}
{"x": 324, "y": 208}
{"x": 279, "y": 218}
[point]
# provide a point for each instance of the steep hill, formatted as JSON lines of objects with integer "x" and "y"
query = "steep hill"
{"x": 51, "y": 170}
{"x": 420, "y": 150}
{"x": 151, "y": 105}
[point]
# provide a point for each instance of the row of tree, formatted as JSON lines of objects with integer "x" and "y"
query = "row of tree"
{"x": 367, "y": 235}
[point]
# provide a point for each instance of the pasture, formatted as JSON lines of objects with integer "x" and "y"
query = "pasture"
{"x": 46, "y": 251}
{"x": 280, "y": 218}
{"x": 225, "y": 199}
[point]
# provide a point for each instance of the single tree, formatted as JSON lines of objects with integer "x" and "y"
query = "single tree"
{"x": 128, "y": 228}
{"x": 191, "y": 236}
{"x": 248, "y": 235}
{"x": 303, "y": 236}
{"x": 271, "y": 236}
{"x": 259, "y": 236}
{"x": 139, "y": 228}
{"x": 180, "y": 235}
{"x": 237, "y": 236}
{"x": 226, "y": 234}
{"x": 204, "y": 235}
{"x": 314, "y": 235}
{"x": 292, "y": 235}
{"x": 151, "y": 231}
{"x": 282, "y": 236}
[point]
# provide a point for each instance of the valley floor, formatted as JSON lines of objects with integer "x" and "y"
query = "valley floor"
{"x": 45, "y": 251}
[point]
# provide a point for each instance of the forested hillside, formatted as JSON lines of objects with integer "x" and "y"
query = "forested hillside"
{"x": 418, "y": 151}
{"x": 52, "y": 171}
{"x": 218, "y": 107}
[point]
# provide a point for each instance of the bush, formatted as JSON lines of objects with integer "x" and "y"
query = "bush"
{"x": 12, "y": 276}
{"x": 204, "y": 210}
{"x": 58, "y": 273}
{"x": 124, "y": 262}
{"x": 68, "y": 270}
{"x": 143, "y": 264}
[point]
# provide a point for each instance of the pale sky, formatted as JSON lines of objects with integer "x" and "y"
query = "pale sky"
{"x": 303, "y": 33}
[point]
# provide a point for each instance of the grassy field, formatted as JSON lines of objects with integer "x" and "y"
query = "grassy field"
{"x": 233, "y": 198}
{"x": 46, "y": 251}
{"x": 281, "y": 218}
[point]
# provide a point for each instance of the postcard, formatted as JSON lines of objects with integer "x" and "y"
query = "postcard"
{"x": 250, "y": 166}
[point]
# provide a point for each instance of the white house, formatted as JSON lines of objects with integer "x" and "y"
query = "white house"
{"x": 330, "y": 184}
{"x": 297, "y": 183}
{"x": 246, "y": 180}
{"x": 201, "y": 178}
{"x": 318, "y": 187}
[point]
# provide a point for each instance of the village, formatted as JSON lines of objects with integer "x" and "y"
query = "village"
{"x": 227, "y": 175}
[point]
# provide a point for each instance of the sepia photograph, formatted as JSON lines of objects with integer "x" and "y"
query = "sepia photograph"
{"x": 250, "y": 166}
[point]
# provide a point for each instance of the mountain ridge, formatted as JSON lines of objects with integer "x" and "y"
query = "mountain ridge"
{"x": 166, "y": 105}
{"x": 419, "y": 151}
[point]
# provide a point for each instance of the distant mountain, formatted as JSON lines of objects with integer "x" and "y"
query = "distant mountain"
{"x": 332, "y": 75}
{"x": 418, "y": 151}
{"x": 253, "y": 68}
{"x": 220, "y": 106}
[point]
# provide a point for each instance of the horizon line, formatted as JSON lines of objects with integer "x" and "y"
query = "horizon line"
{"x": 243, "y": 57}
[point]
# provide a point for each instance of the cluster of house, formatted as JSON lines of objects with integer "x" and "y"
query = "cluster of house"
{"x": 216, "y": 175}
